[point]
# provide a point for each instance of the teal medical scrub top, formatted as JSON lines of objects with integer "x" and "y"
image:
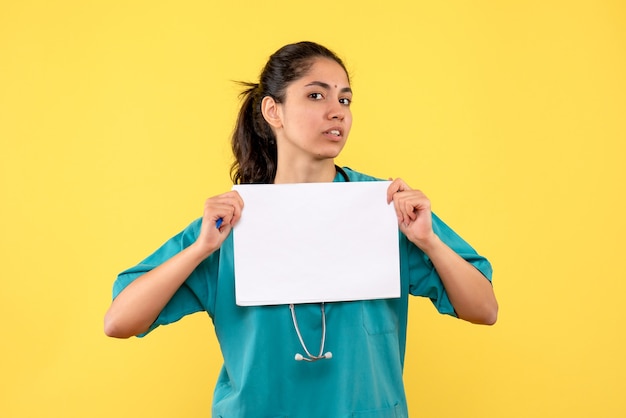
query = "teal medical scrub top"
{"x": 260, "y": 377}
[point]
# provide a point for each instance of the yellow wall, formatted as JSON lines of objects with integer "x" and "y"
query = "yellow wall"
{"x": 114, "y": 125}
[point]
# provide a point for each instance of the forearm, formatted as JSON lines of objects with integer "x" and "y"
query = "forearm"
{"x": 139, "y": 304}
{"x": 469, "y": 291}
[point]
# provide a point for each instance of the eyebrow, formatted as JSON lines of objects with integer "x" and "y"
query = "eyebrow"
{"x": 327, "y": 86}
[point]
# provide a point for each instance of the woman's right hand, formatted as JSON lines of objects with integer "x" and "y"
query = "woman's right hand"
{"x": 227, "y": 207}
{"x": 138, "y": 305}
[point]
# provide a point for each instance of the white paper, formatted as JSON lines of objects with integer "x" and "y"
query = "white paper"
{"x": 315, "y": 242}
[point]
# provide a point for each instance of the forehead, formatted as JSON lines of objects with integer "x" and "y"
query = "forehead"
{"x": 327, "y": 71}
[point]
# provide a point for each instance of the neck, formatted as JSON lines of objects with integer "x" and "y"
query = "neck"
{"x": 311, "y": 172}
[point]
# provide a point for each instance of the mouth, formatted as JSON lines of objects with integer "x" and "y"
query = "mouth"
{"x": 334, "y": 133}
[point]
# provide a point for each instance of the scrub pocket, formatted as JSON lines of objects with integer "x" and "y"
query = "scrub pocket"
{"x": 379, "y": 317}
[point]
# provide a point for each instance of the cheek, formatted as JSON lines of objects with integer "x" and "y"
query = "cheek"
{"x": 305, "y": 120}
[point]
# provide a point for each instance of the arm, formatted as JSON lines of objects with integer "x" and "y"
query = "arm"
{"x": 469, "y": 291}
{"x": 139, "y": 304}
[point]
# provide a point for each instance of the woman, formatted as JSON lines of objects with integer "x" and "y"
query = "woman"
{"x": 291, "y": 126}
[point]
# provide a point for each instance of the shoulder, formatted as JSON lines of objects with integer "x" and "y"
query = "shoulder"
{"x": 354, "y": 175}
{"x": 189, "y": 234}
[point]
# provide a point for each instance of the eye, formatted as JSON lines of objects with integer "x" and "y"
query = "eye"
{"x": 316, "y": 96}
{"x": 345, "y": 101}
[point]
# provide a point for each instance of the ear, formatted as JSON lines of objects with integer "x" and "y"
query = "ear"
{"x": 271, "y": 112}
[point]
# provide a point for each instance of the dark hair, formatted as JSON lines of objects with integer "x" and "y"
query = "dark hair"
{"x": 253, "y": 141}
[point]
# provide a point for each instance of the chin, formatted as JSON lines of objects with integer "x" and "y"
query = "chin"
{"x": 331, "y": 152}
{"x": 327, "y": 156}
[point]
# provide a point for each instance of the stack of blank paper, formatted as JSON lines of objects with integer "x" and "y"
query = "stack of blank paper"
{"x": 316, "y": 242}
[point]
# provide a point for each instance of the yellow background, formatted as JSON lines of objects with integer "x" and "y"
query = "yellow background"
{"x": 115, "y": 119}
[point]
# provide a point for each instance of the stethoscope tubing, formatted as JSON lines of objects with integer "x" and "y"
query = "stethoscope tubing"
{"x": 310, "y": 357}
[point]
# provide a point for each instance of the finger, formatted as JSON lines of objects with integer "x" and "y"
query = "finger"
{"x": 403, "y": 205}
{"x": 399, "y": 207}
{"x": 235, "y": 202}
{"x": 396, "y": 192}
{"x": 238, "y": 208}
{"x": 229, "y": 213}
{"x": 410, "y": 203}
{"x": 410, "y": 210}
{"x": 227, "y": 206}
{"x": 396, "y": 186}
{"x": 217, "y": 214}
{"x": 420, "y": 205}
{"x": 391, "y": 190}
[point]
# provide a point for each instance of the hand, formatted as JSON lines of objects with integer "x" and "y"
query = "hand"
{"x": 226, "y": 206}
{"x": 413, "y": 211}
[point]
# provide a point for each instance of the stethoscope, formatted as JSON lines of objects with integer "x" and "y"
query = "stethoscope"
{"x": 310, "y": 357}
{"x": 327, "y": 355}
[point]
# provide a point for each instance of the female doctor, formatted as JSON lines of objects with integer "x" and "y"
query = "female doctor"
{"x": 291, "y": 126}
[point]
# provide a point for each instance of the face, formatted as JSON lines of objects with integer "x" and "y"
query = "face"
{"x": 315, "y": 118}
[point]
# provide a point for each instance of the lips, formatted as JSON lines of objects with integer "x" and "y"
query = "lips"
{"x": 334, "y": 132}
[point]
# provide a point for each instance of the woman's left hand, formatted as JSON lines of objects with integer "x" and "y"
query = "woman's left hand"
{"x": 413, "y": 211}
{"x": 470, "y": 293}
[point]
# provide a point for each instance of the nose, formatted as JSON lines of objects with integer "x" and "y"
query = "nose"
{"x": 337, "y": 112}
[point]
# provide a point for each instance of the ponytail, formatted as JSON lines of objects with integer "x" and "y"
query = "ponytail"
{"x": 253, "y": 142}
